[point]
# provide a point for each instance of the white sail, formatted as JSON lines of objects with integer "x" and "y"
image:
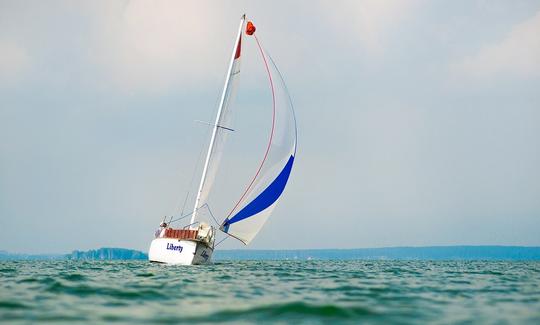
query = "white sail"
{"x": 262, "y": 193}
{"x": 221, "y": 126}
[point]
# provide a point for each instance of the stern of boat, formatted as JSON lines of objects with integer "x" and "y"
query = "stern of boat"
{"x": 183, "y": 246}
{"x": 181, "y": 252}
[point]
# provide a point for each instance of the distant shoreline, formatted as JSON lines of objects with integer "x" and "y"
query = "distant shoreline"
{"x": 509, "y": 253}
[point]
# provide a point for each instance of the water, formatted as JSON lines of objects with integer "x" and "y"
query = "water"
{"x": 299, "y": 292}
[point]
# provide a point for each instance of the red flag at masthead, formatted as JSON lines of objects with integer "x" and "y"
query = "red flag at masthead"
{"x": 250, "y": 28}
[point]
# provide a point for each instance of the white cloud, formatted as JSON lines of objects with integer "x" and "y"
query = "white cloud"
{"x": 517, "y": 54}
{"x": 371, "y": 21}
{"x": 148, "y": 44}
{"x": 153, "y": 46}
{"x": 14, "y": 62}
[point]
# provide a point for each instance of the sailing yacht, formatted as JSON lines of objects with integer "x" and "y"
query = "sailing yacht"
{"x": 195, "y": 242}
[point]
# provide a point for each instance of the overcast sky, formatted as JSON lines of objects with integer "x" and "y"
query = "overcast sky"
{"x": 418, "y": 121}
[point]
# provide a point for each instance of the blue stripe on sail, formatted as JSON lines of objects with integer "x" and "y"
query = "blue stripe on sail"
{"x": 265, "y": 199}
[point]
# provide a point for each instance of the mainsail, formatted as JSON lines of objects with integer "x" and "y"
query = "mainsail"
{"x": 261, "y": 195}
{"x": 221, "y": 126}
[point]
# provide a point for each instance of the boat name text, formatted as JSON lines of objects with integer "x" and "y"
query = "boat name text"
{"x": 173, "y": 247}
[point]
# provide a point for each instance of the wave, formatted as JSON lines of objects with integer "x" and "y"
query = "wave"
{"x": 351, "y": 292}
{"x": 288, "y": 311}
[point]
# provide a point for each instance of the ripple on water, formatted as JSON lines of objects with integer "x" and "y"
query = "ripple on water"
{"x": 290, "y": 311}
{"x": 270, "y": 291}
{"x": 4, "y": 304}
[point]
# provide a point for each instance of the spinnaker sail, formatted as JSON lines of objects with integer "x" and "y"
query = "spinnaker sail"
{"x": 261, "y": 195}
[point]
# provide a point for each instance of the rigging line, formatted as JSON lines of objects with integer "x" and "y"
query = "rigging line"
{"x": 233, "y": 236}
{"x": 216, "y": 125}
{"x": 185, "y": 201}
{"x": 180, "y": 218}
{"x": 192, "y": 177}
{"x": 273, "y": 125}
{"x": 227, "y": 235}
{"x": 211, "y": 214}
{"x": 221, "y": 241}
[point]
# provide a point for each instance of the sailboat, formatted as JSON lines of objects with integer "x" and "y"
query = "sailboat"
{"x": 195, "y": 242}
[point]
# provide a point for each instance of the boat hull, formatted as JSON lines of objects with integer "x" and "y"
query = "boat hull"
{"x": 180, "y": 252}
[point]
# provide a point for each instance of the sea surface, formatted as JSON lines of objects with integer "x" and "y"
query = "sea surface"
{"x": 283, "y": 292}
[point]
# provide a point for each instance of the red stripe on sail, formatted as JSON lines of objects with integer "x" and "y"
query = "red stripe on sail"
{"x": 238, "y": 47}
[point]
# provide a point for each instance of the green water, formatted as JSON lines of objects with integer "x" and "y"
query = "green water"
{"x": 299, "y": 292}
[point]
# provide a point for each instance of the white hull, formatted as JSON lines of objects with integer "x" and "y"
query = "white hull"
{"x": 181, "y": 252}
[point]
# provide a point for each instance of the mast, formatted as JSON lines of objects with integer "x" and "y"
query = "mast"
{"x": 215, "y": 126}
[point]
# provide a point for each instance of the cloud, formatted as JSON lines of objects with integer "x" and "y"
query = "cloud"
{"x": 14, "y": 62}
{"x": 517, "y": 54}
{"x": 149, "y": 44}
{"x": 130, "y": 46}
{"x": 371, "y": 21}
{"x": 141, "y": 46}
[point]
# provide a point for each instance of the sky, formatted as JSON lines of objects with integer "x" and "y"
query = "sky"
{"x": 418, "y": 121}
